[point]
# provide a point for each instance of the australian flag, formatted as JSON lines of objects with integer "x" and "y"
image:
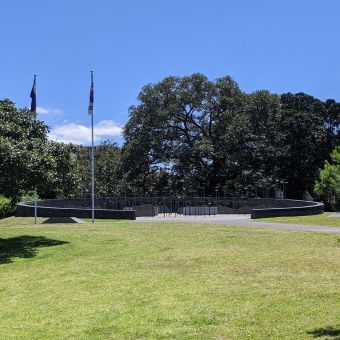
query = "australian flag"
{"x": 91, "y": 96}
{"x": 34, "y": 96}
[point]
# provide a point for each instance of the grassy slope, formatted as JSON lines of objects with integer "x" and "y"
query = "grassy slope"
{"x": 320, "y": 220}
{"x": 187, "y": 281}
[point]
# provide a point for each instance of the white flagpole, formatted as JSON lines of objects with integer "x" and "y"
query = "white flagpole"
{"x": 92, "y": 156}
{"x": 92, "y": 163}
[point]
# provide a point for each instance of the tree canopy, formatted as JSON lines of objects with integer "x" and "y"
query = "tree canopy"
{"x": 28, "y": 160}
{"x": 200, "y": 133}
{"x": 185, "y": 136}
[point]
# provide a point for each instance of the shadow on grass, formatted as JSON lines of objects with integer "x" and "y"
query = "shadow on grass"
{"x": 63, "y": 220}
{"x": 329, "y": 331}
{"x": 23, "y": 246}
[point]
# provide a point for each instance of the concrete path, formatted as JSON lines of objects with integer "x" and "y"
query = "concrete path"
{"x": 63, "y": 220}
{"x": 336, "y": 214}
{"x": 239, "y": 221}
{"x": 77, "y": 220}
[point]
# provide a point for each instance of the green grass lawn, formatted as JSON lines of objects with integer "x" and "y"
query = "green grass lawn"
{"x": 320, "y": 220}
{"x": 123, "y": 280}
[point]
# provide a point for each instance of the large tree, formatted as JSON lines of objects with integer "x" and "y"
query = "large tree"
{"x": 178, "y": 127}
{"x": 204, "y": 134}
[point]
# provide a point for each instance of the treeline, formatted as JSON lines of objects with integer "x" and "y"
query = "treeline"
{"x": 186, "y": 136}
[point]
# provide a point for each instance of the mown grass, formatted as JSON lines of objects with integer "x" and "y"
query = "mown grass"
{"x": 319, "y": 220}
{"x": 125, "y": 280}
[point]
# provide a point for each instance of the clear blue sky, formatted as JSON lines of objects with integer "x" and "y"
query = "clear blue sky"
{"x": 287, "y": 45}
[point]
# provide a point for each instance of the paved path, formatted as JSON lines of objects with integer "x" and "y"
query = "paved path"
{"x": 239, "y": 221}
{"x": 336, "y": 214}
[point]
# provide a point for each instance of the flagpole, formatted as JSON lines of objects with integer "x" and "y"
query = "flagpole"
{"x": 33, "y": 96}
{"x": 92, "y": 163}
{"x": 92, "y": 158}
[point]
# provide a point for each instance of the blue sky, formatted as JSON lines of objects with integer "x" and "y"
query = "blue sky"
{"x": 264, "y": 44}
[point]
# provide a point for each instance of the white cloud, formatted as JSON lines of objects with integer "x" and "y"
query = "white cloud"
{"x": 47, "y": 111}
{"x": 80, "y": 134}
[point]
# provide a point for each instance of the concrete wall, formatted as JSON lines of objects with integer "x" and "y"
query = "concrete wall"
{"x": 314, "y": 208}
{"x": 129, "y": 208}
{"x": 26, "y": 210}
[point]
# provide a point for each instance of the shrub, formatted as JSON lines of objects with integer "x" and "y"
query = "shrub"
{"x": 7, "y": 207}
{"x": 328, "y": 186}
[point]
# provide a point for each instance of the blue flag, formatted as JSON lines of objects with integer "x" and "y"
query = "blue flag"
{"x": 91, "y": 96}
{"x": 34, "y": 96}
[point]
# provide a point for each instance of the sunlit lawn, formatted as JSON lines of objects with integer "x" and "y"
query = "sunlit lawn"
{"x": 320, "y": 220}
{"x": 124, "y": 280}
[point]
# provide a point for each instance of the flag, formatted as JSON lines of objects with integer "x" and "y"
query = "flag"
{"x": 91, "y": 96}
{"x": 34, "y": 96}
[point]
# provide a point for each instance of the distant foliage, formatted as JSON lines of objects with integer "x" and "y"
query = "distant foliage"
{"x": 108, "y": 170}
{"x": 29, "y": 196}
